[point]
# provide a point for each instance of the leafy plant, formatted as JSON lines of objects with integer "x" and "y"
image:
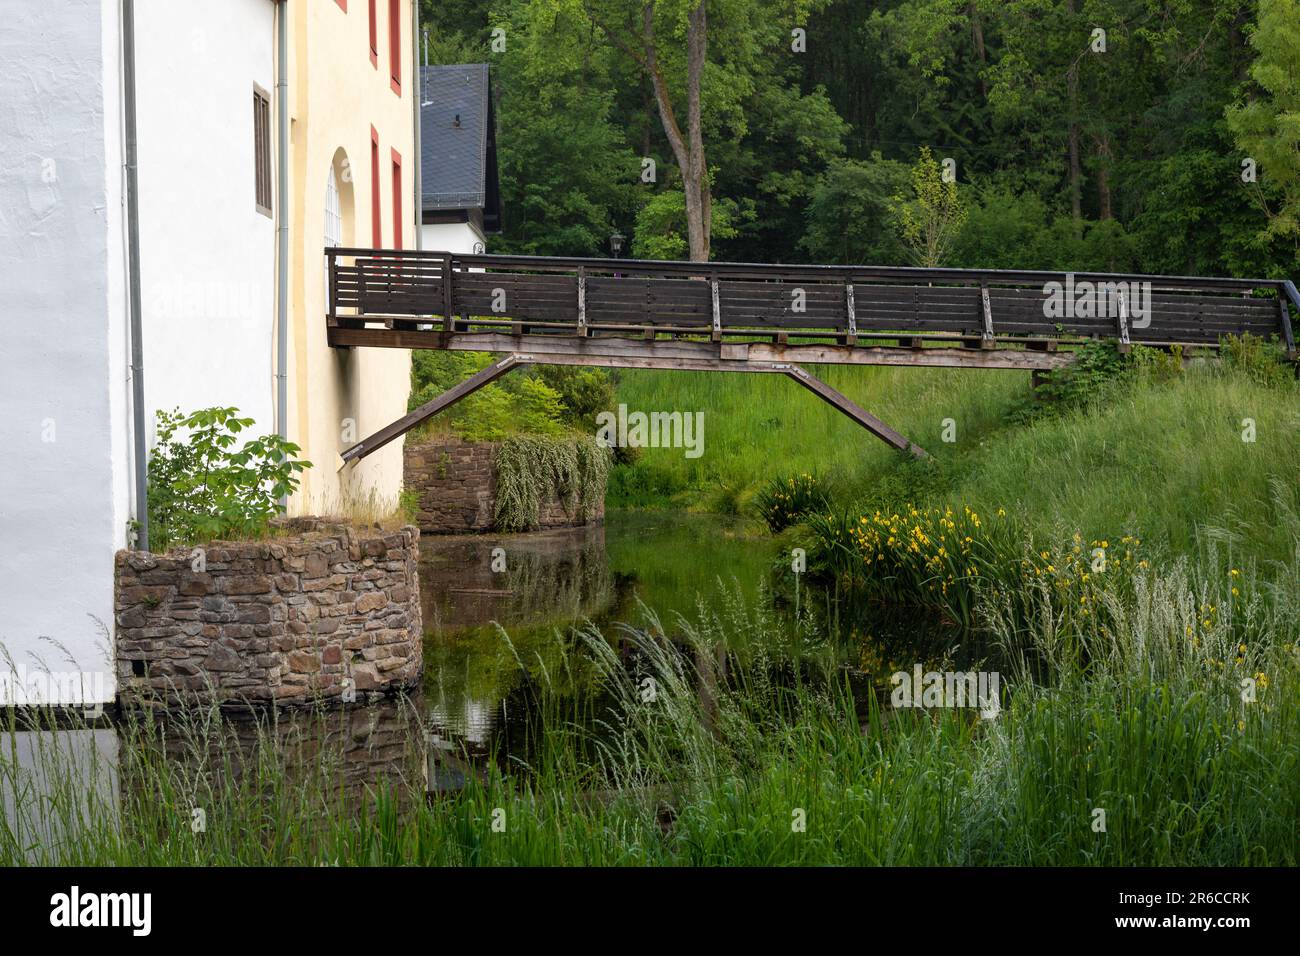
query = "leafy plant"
{"x": 1257, "y": 358}
{"x": 201, "y": 487}
{"x": 787, "y": 499}
{"x": 932, "y": 217}
{"x": 1097, "y": 368}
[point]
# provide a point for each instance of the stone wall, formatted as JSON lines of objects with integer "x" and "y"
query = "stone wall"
{"x": 456, "y": 486}
{"x": 302, "y": 616}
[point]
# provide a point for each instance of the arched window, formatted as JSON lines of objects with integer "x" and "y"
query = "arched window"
{"x": 337, "y": 224}
{"x": 333, "y": 226}
{"x": 333, "y": 212}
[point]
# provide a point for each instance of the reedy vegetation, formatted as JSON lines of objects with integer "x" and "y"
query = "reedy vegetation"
{"x": 1150, "y": 727}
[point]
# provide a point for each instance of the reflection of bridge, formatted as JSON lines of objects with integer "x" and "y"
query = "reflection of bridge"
{"x": 738, "y": 317}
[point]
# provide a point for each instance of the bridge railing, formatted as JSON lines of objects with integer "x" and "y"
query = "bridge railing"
{"x": 849, "y": 304}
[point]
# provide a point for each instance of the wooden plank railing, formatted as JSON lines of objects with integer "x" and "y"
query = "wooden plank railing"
{"x": 849, "y": 304}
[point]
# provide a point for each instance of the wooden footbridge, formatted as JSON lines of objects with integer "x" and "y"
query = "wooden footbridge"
{"x": 742, "y": 317}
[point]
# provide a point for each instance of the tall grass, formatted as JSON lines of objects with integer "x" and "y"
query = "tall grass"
{"x": 730, "y": 753}
{"x": 1153, "y": 459}
{"x": 756, "y": 425}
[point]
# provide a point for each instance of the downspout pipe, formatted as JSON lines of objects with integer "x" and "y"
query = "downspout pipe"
{"x": 139, "y": 451}
{"x": 282, "y": 224}
{"x": 417, "y": 91}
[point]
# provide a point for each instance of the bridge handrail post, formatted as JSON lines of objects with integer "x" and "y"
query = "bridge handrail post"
{"x": 582, "y": 302}
{"x": 1286, "y": 291}
{"x": 717, "y": 308}
{"x": 448, "y": 324}
{"x": 852, "y": 337}
{"x": 986, "y": 340}
{"x": 1124, "y": 344}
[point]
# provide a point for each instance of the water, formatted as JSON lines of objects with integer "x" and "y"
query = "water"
{"x": 502, "y": 613}
{"x": 502, "y": 616}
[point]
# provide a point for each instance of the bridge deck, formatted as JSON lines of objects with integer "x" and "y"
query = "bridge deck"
{"x": 726, "y": 316}
{"x": 409, "y": 299}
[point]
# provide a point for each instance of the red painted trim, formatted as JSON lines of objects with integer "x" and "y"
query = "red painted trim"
{"x": 343, "y": 5}
{"x": 397, "y": 200}
{"x": 376, "y": 224}
{"x": 374, "y": 37}
{"x": 395, "y": 45}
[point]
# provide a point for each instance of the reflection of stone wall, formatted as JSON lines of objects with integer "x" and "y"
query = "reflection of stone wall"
{"x": 285, "y": 620}
{"x": 342, "y": 754}
{"x": 456, "y": 485}
{"x": 542, "y": 576}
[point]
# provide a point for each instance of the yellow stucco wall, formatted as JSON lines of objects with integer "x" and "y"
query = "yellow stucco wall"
{"x": 336, "y": 95}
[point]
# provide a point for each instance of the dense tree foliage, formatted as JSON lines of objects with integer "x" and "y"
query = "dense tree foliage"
{"x": 1160, "y": 135}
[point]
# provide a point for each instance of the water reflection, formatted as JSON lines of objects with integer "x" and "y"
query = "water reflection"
{"x": 503, "y": 635}
{"x": 56, "y": 785}
{"x": 503, "y": 615}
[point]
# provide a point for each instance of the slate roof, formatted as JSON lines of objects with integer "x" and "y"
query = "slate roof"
{"x": 458, "y": 163}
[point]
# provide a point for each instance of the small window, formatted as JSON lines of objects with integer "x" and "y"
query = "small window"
{"x": 262, "y": 149}
{"x": 395, "y": 44}
{"x": 374, "y": 36}
{"x": 376, "y": 234}
{"x": 397, "y": 200}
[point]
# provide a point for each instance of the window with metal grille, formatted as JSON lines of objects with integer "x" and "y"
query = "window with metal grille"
{"x": 262, "y": 149}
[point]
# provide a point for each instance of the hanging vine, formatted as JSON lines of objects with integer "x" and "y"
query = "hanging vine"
{"x": 530, "y": 468}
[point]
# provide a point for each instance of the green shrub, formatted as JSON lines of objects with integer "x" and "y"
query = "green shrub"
{"x": 542, "y": 400}
{"x": 201, "y": 488}
{"x": 1098, "y": 367}
{"x": 1259, "y": 359}
{"x": 787, "y": 499}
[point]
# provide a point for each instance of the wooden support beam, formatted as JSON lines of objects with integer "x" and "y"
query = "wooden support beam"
{"x": 854, "y": 411}
{"x": 448, "y": 398}
{"x": 609, "y": 351}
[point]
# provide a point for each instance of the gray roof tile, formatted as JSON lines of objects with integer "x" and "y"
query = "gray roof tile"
{"x": 455, "y": 115}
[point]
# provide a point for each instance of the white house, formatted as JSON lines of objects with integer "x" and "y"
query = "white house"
{"x": 202, "y": 285}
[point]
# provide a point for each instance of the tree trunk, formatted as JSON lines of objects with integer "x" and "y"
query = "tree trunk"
{"x": 688, "y": 150}
{"x": 977, "y": 37}
{"x": 1076, "y": 173}
{"x": 1103, "y": 177}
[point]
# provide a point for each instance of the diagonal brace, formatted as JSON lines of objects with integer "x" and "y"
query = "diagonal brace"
{"x": 448, "y": 398}
{"x": 854, "y": 411}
